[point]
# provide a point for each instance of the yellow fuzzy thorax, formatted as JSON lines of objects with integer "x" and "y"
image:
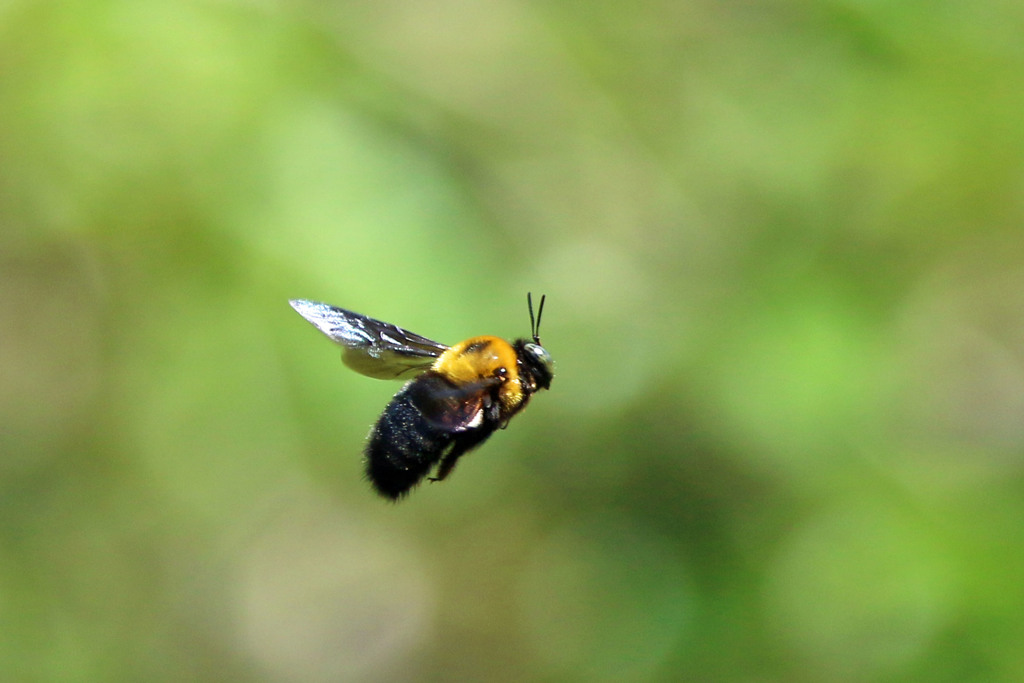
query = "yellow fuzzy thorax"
{"x": 483, "y": 358}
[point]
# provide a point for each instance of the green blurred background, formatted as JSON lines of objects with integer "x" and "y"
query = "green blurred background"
{"x": 782, "y": 248}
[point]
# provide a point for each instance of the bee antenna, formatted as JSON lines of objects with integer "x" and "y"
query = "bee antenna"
{"x": 535, "y": 323}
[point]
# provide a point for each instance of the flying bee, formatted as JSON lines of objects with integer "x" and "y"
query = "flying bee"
{"x": 455, "y": 398}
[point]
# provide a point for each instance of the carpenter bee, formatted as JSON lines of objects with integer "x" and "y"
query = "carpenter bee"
{"x": 456, "y": 396}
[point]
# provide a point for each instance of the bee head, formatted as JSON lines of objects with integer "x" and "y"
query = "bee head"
{"x": 537, "y": 362}
{"x": 534, "y": 357}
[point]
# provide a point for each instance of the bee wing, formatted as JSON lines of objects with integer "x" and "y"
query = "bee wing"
{"x": 371, "y": 347}
{"x": 451, "y": 408}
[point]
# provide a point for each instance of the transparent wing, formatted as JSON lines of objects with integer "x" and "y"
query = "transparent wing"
{"x": 453, "y": 408}
{"x": 371, "y": 347}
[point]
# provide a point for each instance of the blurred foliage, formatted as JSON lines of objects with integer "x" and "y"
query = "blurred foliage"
{"x": 782, "y": 248}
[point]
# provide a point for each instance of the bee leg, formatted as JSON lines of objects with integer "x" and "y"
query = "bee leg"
{"x": 451, "y": 457}
{"x": 463, "y": 443}
{"x": 492, "y": 412}
{"x": 447, "y": 465}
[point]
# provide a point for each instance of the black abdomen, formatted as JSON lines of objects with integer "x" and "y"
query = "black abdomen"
{"x": 421, "y": 427}
{"x": 403, "y": 446}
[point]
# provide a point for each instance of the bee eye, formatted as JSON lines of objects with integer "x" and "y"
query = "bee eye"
{"x": 542, "y": 365}
{"x": 541, "y": 354}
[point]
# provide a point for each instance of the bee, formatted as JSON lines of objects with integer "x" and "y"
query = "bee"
{"x": 456, "y": 396}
